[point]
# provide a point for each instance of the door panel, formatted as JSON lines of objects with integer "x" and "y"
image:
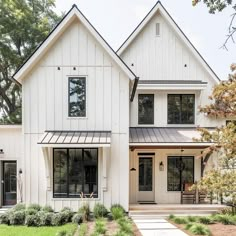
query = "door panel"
{"x": 9, "y": 183}
{"x": 146, "y": 179}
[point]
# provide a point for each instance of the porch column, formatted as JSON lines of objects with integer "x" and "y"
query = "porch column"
{"x": 46, "y": 155}
{"x": 106, "y": 155}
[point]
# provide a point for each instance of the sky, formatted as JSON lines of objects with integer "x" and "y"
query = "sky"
{"x": 116, "y": 19}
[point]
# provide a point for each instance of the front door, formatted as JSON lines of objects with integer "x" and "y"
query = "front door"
{"x": 9, "y": 183}
{"x": 146, "y": 179}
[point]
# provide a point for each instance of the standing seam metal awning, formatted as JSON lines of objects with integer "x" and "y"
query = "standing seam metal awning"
{"x": 75, "y": 138}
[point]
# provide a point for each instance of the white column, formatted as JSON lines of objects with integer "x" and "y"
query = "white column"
{"x": 47, "y": 166}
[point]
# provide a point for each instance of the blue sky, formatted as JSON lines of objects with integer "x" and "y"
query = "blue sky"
{"x": 116, "y": 19}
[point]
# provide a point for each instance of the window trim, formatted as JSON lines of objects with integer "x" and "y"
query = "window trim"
{"x": 67, "y": 176}
{"x": 194, "y": 107}
{"x": 68, "y": 96}
{"x": 145, "y": 94}
{"x": 178, "y": 156}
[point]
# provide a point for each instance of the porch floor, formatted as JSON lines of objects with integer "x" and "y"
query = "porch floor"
{"x": 164, "y": 210}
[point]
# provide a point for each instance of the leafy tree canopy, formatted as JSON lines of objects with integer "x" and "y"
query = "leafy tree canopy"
{"x": 23, "y": 26}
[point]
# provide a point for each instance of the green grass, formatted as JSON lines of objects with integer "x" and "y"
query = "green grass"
{"x": 35, "y": 231}
{"x": 83, "y": 229}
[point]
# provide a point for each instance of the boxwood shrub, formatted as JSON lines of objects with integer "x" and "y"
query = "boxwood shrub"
{"x": 99, "y": 210}
{"x": 77, "y": 219}
{"x": 34, "y": 206}
{"x": 17, "y": 218}
{"x": 47, "y": 209}
{"x": 32, "y": 220}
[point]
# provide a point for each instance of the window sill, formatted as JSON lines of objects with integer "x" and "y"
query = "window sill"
{"x": 77, "y": 118}
{"x": 75, "y": 199}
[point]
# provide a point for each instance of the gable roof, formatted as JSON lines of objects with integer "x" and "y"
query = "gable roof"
{"x": 73, "y": 13}
{"x": 159, "y": 7}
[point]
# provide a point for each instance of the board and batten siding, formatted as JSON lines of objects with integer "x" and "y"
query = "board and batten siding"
{"x": 45, "y": 107}
{"x": 164, "y": 57}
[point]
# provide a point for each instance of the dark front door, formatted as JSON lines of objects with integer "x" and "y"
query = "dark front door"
{"x": 9, "y": 183}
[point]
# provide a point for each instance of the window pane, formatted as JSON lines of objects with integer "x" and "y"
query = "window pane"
{"x": 145, "y": 174}
{"x": 60, "y": 173}
{"x": 173, "y": 172}
{"x": 181, "y": 108}
{"x": 75, "y": 172}
{"x": 90, "y": 172}
{"x": 146, "y": 109}
{"x": 77, "y": 97}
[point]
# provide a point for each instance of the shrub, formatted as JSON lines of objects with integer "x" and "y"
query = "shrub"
{"x": 171, "y": 217}
{"x": 84, "y": 210}
{"x": 118, "y": 206}
{"x": 225, "y": 219}
{"x": 83, "y": 230}
{"x": 47, "y": 209}
{"x": 5, "y": 218}
{"x": 192, "y": 218}
{"x": 77, "y": 219}
{"x": 180, "y": 220}
{"x": 30, "y": 211}
{"x": 199, "y": 229}
{"x": 117, "y": 213}
{"x": 45, "y": 218}
{"x": 125, "y": 226}
{"x": 34, "y": 206}
{"x": 32, "y": 220}
{"x": 100, "y": 227}
{"x": 205, "y": 220}
{"x": 109, "y": 216}
{"x": 66, "y": 216}
{"x": 56, "y": 219}
{"x": 17, "y": 218}
{"x": 100, "y": 210}
{"x": 188, "y": 226}
{"x": 19, "y": 207}
{"x": 120, "y": 233}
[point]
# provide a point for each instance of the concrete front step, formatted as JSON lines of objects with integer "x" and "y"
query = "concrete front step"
{"x": 4, "y": 209}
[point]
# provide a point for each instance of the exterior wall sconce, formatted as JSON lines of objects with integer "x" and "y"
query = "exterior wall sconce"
{"x": 20, "y": 171}
{"x": 132, "y": 169}
{"x": 1, "y": 153}
{"x": 161, "y": 166}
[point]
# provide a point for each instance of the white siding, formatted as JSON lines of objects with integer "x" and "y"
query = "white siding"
{"x": 45, "y": 107}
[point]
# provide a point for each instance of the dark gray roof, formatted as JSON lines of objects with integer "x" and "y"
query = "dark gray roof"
{"x": 171, "y": 82}
{"x": 163, "y": 135}
{"x": 76, "y": 137}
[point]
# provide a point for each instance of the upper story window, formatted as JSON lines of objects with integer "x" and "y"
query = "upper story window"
{"x": 181, "y": 108}
{"x": 77, "y": 97}
{"x": 146, "y": 109}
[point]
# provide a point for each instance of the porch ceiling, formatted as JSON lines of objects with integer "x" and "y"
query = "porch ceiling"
{"x": 73, "y": 138}
{"x": 165, "y": 137}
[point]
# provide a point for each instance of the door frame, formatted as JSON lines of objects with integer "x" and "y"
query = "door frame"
{"x": 152, "y": 193}
{"x": 3, "y": 179}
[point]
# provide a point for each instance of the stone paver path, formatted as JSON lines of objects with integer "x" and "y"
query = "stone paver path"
{"x": 157, "y": 227}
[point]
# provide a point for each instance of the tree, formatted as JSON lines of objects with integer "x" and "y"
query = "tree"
{"x": 218, "y": 6}
{"x": 24, "y": 24}
{"x": 222, "y": 179}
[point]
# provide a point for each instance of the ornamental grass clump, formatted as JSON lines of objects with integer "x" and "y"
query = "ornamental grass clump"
{"x": 192, "y": 218}
{"x": 125, "y": 226}
{"x": 199, "y": 229}
{"x": 99, "y": 227}
{"x": 180, "y": 220}
{"x": 225, "y": 219}
{"x": 171, "y": 217}
{"x": 84, "y": 210}
{"x": 117, "y": 213}
{"x": 205, "y": 220}
{"x": 99, "y": 210}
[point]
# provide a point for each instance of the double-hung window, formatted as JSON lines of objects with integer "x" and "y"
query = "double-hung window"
{"x": 77, "y": 97}
{"x": 75, "y": 171}
{"x": 146, "y": 109}
{"x": 181, "y": 108}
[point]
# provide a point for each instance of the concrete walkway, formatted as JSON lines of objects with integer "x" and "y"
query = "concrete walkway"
{"x": 157, "y": 227}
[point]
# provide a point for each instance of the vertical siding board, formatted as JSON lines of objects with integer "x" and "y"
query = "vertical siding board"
{"x": 74, "y": 44}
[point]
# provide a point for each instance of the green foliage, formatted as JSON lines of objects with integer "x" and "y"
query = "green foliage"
{"x": 226, "y": 211}
{"x": 180, "y": 220}
{"x": 47, "y": 209}
{"x": 57, "y": 219}
{"x": 205, "y": 220}
{"x": 117, "y": 213}
{"x": 66, "y": 216}
{"x": 17, "y": 218}
{"x": 125, "y": 226}
{"x": 225, "y": 219}
{"x": 188, "y": 226}
{"x": 45, "y": 218}
{"x": 99, "y": 227}
{"x": 34, "y": 206}
{"x": 116, "y": 205}
{"x": 83, "y": 229}
{"x": 84, "y": 210}
{"x": 192, "y": 218}
{"x": 199, "y": 229}
{"x": 62, "y": 233}
{"x": 100, "y": 210}
{"x": 171, "y": 217}
{"x": 30, "y": 211}
{"x": 32, "y": 220}
{"x": 5, "y": 218}
{"x": 19, "y": 207}
{"x": 77, "y": 219}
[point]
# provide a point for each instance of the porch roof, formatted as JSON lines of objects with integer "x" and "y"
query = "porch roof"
{"x": 155, "y": 136}
{"x": 75, "y": 138}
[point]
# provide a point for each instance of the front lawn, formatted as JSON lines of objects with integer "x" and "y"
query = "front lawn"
{"x": 36, "y": 231}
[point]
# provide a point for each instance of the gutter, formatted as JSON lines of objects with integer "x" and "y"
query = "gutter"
{"x": 134, "y": 89}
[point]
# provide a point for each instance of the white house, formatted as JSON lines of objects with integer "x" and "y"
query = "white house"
{"x": 114, "y": 126}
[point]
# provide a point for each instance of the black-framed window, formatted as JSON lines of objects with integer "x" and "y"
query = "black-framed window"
{"x": 77, "y": 97}
{"x": 75, "y": 171}
{"x": 146, "y": 109}
{"x": 181, "y": 108}
{"x": 174, "y": 175}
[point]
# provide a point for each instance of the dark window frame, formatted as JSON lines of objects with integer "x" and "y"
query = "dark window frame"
{"x": 181, "y": 96}
{"x": 153, "y": 96}
{"x": 69, "y": 79}
{"x": 193, "y": 167}
{"x": 67, "y": 176}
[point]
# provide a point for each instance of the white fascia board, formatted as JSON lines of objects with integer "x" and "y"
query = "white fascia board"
{"x": 78, "y": 145}
{"x": 172, "y": 144}
{"x": 171, "y": 87}
{"x": 74, "y": 13}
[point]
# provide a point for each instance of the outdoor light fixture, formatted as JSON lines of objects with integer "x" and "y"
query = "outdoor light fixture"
{"x": 161, "y": 166}
{"x": 1, "y": 153}
{"x": 20, "y": 171}
{"x": 132, "y": 169}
